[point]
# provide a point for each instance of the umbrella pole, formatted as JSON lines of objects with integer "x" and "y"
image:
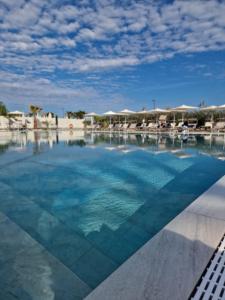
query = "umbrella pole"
{"x": 212, "y": 118}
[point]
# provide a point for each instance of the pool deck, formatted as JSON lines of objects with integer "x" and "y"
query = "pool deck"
{"x": 171, "y": 263}
{"x": 159, "y": 131}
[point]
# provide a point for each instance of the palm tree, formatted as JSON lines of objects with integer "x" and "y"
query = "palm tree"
{"x": 34, "y": 110}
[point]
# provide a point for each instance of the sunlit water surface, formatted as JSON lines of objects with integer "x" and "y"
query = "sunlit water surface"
{"x": 92, "y": 200}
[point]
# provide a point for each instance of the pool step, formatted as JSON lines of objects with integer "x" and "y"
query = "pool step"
{"x": 29, "y": 271}
{"x": 73, "y": 250}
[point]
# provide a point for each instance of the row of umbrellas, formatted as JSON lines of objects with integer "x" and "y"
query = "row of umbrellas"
{"x": 180, "y": 109}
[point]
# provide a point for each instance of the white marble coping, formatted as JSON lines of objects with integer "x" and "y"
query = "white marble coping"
{"x": 170, "y": 264}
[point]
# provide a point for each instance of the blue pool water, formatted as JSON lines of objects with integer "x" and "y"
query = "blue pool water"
{"x": 92, "y": 200}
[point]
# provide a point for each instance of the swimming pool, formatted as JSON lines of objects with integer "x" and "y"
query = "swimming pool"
{"x": 74, "y": 205}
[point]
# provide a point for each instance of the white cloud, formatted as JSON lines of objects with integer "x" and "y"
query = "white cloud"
{"x": 108, "y": 34}
{"x": 38, "y": 36}
{"x": 91, "y": 64}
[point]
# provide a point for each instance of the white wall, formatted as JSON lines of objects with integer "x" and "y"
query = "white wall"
{"x": 64, "y": 123}
{"x": 43, "y": 122}
{"x": 50, "y": 123}
{"x": 4, "y": 122}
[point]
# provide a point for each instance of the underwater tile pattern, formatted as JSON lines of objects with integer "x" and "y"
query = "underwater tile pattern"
{"x": 90, "y": 203}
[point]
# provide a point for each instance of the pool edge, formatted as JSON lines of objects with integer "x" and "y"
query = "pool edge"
{"x": 169, "y": 265}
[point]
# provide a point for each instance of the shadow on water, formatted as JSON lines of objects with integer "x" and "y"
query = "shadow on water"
{"x": 28, "y": 272}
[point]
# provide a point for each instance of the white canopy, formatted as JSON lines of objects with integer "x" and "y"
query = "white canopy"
{"x": 92, "y": 114}
{"x": 127, "y": 111}
{"x": 158, "y": 110}
{"x": 221, "y": 107}
{"x": 110, "y": 113}
{"x": 144, "y": 112}
{"x": 16, "y": 112}
{"x": 210, "y": 108}
{"x": 184, "y": 108}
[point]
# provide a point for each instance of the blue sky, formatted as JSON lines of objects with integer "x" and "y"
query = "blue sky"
{"x": 110, "y": 55}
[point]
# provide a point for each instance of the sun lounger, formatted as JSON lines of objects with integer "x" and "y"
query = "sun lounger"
{"x": 132, "y": 126}
{"x": 208, "y": 125}
{"x": 125, "y": 126}
{"x": 117, "y": 126}
{"x": 97, "y": 127}
{"x": 162, "y": 120}
{"x": 172, "y": 125}
{"x": 111, "y": 126}
{"x": 152, "y": 126}
{"x": 142, "y": 126}
{"x": 180, "y": 125}
{"x": 220, "y": 126}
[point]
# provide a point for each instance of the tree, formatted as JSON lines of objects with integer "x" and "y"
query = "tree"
{"x": 75, "y": 115}
{"x": 3, "y": 109}
{"x": 79, "y": 114}
{"x": 34, "y": 110}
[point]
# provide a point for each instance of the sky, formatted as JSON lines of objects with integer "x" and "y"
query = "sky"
{"x": 69, "y": 55}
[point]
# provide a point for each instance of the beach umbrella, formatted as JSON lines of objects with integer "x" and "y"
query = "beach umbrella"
{"x": 211, "y": 109}
{"x": 158, "y": 111}
{"x": 183, "y": 109}
{"x": 110, "y": 114}
{"x": 221, "y": 107}
{"x": 91, "y": 115}
{"x": 143, "y": 112}
{"x": 16, "y": 112}
{"x": 126, "y": 113}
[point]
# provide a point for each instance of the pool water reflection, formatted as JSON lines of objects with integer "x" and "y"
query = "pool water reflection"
{"x": 91, "y": 200}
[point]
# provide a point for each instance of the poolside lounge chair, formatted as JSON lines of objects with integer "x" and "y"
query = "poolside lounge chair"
{"x": 152, "y": 126}
{"x": 208, "y": 125}
{"x": 180, "y": 125}
{"x": 192, "y": 123}
{"x": 172, "y": 125}
{"x": 111, "y": 126}
{"x": 142, "y": 126}
{"x": 162, "y": 120}
{"x": 124, "y": 126}
{"x": 117, "y": 126}
{"x": 97, "y": 127}
{"x": 220, "y": 126}
{"x": 132, "y": 126}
